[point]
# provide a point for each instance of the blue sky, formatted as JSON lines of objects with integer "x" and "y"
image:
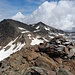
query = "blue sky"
{"x": 9, "y": 8}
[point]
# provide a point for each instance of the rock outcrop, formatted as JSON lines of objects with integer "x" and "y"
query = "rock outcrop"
{"x": 39, "y": 60}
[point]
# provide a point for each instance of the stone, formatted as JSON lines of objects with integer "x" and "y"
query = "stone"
{"x": 23, "y": 68}
{"x": 51, "y": 73}
{"x": 63, "y": 71}
{"x": 71, "y": 53}
{"x": 66, "y": 50}
{"x": 45, "y": 62}
{"x": 23, "y": 61}
{"x": 44, "y": 59}
{"x": 38, "y": 71}
{"x": 32, "y": 56}
{"x": 67, "y": 67}
{"x": 58, "y": 60}
{"x": 71, "y": 64}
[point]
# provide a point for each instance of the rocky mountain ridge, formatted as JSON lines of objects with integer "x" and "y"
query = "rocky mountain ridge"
{"x": 44, "y": 59}
{"x": 14, "y": 35}
{"x": 35, "y": 49}
{"x": 10, "y": 29}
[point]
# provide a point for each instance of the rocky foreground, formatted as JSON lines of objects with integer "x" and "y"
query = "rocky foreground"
{"x": 51, "y": 58}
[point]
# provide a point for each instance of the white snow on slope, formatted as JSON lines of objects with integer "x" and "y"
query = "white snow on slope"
{"x": 25, "y": 31}
{"x": 36, "y": 30}
{"x": 37, "y": 27}
{"x": 36, "y": 41}
{"x": 38, "y": 37}
{"x": 4, "y": 54}
{"x": 59, "y": 15}
{"x": 47, "y": 28}
{"x": 45, "y": 39}
{"x": 29, "y": 34}
{"x": 51, "y": 36}
{"x": 21, "y": 28}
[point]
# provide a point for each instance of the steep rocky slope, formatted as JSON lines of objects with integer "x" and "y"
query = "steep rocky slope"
{"x": 32, "y": 61}
{"x": 10, "y": 29}
{"x": 46, "y": 30}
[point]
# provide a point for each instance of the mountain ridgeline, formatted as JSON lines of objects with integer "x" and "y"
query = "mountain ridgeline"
{"x": 10, "y": 29}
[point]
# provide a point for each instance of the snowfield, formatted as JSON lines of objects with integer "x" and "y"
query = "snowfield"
{"x": 12, "y": 49}
{"x": 36, "y": 41}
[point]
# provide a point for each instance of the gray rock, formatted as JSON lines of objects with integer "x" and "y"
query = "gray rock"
{"x": 63, "y": 71}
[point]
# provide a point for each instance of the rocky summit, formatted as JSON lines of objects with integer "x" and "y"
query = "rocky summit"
{"x": 35, "y": 49}
{"x": 55, "y": 57}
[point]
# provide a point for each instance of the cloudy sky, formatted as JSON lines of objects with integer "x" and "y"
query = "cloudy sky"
{"x": 9, "y": 8}
{"x": 56, "y": 13}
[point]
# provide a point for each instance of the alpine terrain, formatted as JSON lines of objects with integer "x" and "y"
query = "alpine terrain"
{"x": 35, "y": 49}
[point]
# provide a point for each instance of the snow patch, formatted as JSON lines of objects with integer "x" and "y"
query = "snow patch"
{"x": 10, "y": 43}
{"x": 36, "y": 41}
{"x": 30, "y": 37}
{"x": 51, "y": 36}
{"x": 4, "y": 54}
{"x": 19, "y": 46}
{"x": 37, "y": 27}
{"x": 21, "y": 28}
{"x": 61, "y": 34}
{"x": 38, "y": 37}
{"x": 36, "y": 30}
{"x": 47, "y": 28}
{"x": 29, "y": 34}
{"x": 25, "y": 32}
{"x": 45, "y": 39}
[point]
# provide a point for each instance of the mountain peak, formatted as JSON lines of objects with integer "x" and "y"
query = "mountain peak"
{"x": 41, "y": 23}
{"x": 18, "y": 15}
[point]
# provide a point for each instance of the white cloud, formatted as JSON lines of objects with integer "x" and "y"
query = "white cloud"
{"x": 61, "y": 15}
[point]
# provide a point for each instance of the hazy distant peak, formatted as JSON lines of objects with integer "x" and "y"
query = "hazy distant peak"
{"x": 18, "y": 15}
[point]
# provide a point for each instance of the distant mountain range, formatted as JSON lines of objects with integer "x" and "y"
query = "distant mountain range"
{"x": 73, "y": 29}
